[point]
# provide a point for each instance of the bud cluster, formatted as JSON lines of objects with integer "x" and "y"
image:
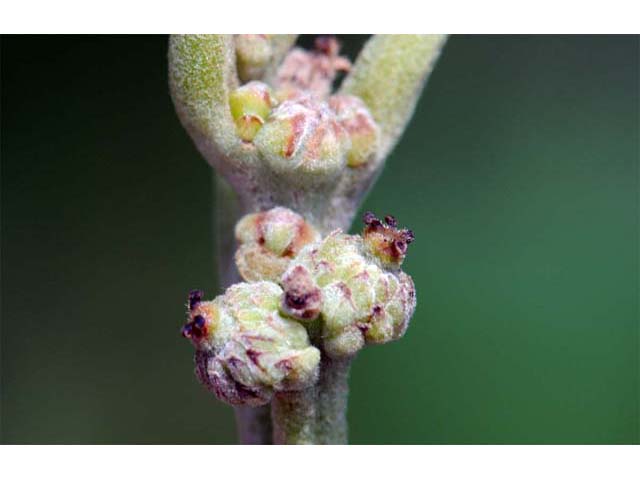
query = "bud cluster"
{"x": 264, "y": 114}
{"x": 252, "y": 341}
{"x": 246, "y": 350}
{"x": 350, "y": 287}
{"x": 303, "y": 137}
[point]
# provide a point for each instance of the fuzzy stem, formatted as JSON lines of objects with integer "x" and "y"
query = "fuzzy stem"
{"x": 389, "y": 74}
{"x": 254, "y": 424}
{"x": 294, "y": 417}
{"x": 333, "y": 390}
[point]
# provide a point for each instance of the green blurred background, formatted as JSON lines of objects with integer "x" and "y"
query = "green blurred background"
{"x": 518, "y": 175}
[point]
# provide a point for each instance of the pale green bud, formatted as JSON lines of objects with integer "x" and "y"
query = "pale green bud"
{"x": 246, "y": 350}
{"x": 269, "y": 240}
{"x": 359, "y": 299}
{"x": 250, "y": 106}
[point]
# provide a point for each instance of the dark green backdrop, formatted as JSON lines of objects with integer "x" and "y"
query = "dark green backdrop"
{"x": 518, "y": 175}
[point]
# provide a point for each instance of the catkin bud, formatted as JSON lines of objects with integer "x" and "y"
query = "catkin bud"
{"x": 269, "y": 240}
{"x": 354, "y": 117}
{"x": 246, "y": 350}
{"x": 250, "y": 106}
{"x": 302, "y": 140}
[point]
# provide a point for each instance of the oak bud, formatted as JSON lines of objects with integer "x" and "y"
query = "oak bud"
{"x": 269, "y": 240}
{"x": 357, "y": 296}
{"x": 245, "y": 350}
{"x": 302, "y": 141}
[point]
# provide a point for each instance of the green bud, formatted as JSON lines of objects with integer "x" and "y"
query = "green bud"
{"x": 360, "y": 299}
{"x": 250, "y": 106}
{"x": 246, "y": 350}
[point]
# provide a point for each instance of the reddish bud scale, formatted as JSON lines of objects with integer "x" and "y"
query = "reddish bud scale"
{"x": 386, "y": 242}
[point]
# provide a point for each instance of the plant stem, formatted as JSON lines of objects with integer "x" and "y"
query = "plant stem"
{"x": 318, "y": 415}
{"x": 253, "y": 423}
{"x": 294, "y": 417}
{"x": 332, "y": 393}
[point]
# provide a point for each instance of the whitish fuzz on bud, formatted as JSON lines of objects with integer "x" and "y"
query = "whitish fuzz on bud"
{"x": 245, "y": 350}
{"x": 269, "y": 240}
{"x": 315, "y": 71}
{"x": 354, "y": 117}
{"x": 303, "y": 141}
{"x": 250, "y": 106}
{"x": 385, "y": 240}
{"x": 359, "y": 299}
{"x": 253, "y": 54}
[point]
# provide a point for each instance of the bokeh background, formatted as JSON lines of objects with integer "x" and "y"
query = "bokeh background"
{"x": 518, "y": 175}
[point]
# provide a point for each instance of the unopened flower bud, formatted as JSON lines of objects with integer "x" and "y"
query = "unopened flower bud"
{"x": 246, "y": 350}
{"x": 250, "y": 106}
{"x": 353, "y": 116}
{"x": 253, "y": 53}
{"x": 361, "y": 299}
{"x": 386, "y": 241}
{"x": 269, "y": 240}
{"x": 302, "y": 140}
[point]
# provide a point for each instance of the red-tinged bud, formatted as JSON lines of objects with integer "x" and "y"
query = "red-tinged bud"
{"x": 353, "y": 116}
{"x": 386, "y": 242}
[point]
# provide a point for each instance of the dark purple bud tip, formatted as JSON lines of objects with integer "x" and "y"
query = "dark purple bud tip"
{"x": 198, "y": 321}
{"x": 186, "y": 330}
{"x": 401, "y": 247}
{"x": 409, "y": 236}
{"x": 195, "y": 297}
{"x": 391, "y": 221}
{"x": 386, "y": 240}
{"x": 370, "y": 219}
